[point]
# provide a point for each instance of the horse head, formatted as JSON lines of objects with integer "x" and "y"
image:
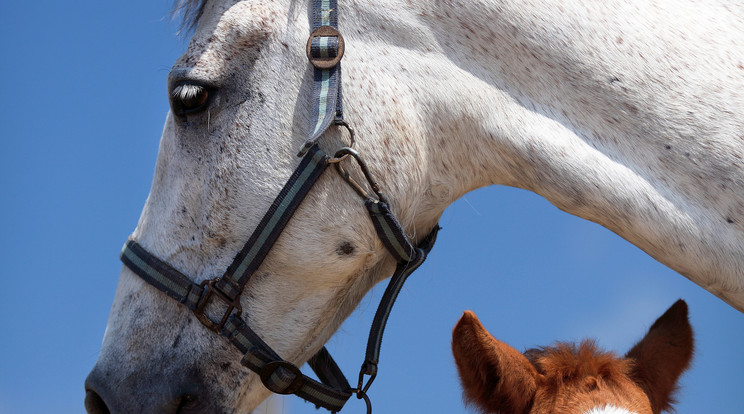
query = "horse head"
{"x": 239, "y": 113}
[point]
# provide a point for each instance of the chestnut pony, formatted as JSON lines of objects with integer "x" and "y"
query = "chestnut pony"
{"x": 574, "y": 378}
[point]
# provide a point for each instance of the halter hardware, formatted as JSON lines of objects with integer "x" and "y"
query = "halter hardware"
{"x": 367, "y": 369}
{"x": 352, "y": 140}
{"x": 210, "y": 291}
{"x": 362, "y": 395}
{"x": 341, "y": 155}
{"x": 325, "y": 47}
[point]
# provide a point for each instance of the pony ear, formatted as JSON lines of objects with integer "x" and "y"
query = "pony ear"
{"x": 495, "y": 376}
{"x": 662, "y": 355}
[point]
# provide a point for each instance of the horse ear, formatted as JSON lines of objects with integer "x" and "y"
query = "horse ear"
{"x": 495, "y": 376}
{"x": 662, "y": 355}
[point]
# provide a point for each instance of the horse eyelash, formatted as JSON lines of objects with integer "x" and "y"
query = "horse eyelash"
{"x": 185, "y": 91}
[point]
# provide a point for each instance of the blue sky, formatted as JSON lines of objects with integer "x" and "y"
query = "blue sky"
{"x": 82, "y": 108}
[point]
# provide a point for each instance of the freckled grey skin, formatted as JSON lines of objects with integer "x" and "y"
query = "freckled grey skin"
{"x": 626, "y": 113}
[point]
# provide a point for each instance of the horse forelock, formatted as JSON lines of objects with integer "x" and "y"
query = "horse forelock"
{"x": 567, "y": 363}
{"x": 190, "y": 12}
{"x": 583, "y": 378}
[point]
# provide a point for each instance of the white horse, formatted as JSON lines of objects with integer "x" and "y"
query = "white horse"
{"x": 626, "y": 113}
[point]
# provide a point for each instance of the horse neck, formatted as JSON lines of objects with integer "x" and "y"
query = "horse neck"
{"x": 572, "y": 101}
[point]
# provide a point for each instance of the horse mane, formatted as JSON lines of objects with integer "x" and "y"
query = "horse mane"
{"x": 190, "y": 12}
{"x": 566, "y": 363}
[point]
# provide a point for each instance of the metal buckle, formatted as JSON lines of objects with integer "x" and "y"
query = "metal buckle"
{"x": 325, "y": 62}
{"x": 269, "y": 369}
{"x": 209, "y": 290}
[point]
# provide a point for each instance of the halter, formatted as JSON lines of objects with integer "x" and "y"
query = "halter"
{"x": 221, "y": 296}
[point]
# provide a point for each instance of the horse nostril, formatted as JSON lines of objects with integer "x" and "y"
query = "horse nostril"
{"x": 186, "y": 404}
{"x": 94, "y": 404}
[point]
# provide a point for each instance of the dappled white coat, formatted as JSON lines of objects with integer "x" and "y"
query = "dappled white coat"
{"x": 626, "y": 113}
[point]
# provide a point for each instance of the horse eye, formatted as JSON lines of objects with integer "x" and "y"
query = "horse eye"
{"x": 189, "y": 98}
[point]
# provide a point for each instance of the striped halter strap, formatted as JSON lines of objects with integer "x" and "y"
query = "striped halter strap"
{"x": 216, "y": 302}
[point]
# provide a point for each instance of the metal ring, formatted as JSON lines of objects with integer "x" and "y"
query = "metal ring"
{"x": 352, "y": 140}
{"x": 325, "y": 62}
{"x": 361, "y": 395}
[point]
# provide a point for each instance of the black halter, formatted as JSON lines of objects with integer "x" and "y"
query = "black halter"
{"x": 216, "y": 302}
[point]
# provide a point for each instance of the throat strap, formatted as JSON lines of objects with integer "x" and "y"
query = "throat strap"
{"x": 402, "y": 271}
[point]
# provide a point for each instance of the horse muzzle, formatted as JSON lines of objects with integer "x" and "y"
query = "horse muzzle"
{"x": 146, "y": 393}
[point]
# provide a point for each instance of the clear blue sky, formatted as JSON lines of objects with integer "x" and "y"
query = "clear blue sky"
{"x": 82, "y": 108}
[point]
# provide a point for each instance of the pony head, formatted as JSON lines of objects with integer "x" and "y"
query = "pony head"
{"x": 574, "y": 378}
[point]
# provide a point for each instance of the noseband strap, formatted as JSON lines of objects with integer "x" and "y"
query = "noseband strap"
{"x": 216, "y": 302}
